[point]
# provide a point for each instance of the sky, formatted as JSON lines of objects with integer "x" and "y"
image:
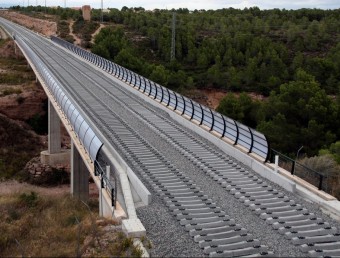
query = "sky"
{"x": 190, "y": 4}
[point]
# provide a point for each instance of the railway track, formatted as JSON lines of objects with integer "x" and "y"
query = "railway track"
{"x": 210, "y": 226}
{"x": 295, "y": 222}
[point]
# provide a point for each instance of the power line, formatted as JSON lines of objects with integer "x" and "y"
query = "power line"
{"x": 173, "y": 38}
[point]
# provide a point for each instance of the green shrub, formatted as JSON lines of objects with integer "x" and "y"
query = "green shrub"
{"x": 29, "y": 200}
{"x": 39, "y": 123}
{"x": 20, "y": 100}
{"x": 13, "y": 214}
{"x": 69, "y": 38}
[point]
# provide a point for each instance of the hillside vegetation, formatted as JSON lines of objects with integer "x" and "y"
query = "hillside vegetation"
{"x": 290, "y": 56}
{"x": 18, "y": 143}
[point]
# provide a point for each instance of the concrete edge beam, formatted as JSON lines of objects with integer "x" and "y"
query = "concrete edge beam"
{"x": 120, "y": 165}
{"x": 129, "y": 202}
{"x": 133, "y": 228}
{"x": 139, "y": 187}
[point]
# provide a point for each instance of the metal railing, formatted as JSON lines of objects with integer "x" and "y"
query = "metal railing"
{"x": 252, "y": 140}
{"x": 81, "y": 128}
{"x": 105, "y": 182}
{"x": 311, "y": 176}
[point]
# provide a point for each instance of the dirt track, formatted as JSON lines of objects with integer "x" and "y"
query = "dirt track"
{"x": 44, "y": 27}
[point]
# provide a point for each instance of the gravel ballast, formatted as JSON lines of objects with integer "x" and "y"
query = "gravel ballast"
{"x": 169, "y": 237}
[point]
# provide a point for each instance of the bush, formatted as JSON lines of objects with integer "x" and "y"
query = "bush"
{"x": 69, "y": 38}
{"x": 29, "y": 200}
{"x": 39, "y": 123}
{"x": 20, "y": 100}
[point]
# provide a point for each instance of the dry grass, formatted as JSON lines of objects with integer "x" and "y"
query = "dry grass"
{"x": 36, "y": 225}
{"x": 33, "y": 225}
{"x": 15, "y": 71}
{"x": 9, "y": 91}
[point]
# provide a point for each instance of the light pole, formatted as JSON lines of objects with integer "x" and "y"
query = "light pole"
{"x": 297, "y": 154}
{"x": 294, "y": 161}
{"x": 101, "y": 14}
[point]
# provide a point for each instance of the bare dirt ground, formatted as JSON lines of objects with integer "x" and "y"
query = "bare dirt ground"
{"x": 213, "y": 97}
{"x": 77, "y": 40}
{"x": 97, "y": 31}
{"x": 44, "y": 27}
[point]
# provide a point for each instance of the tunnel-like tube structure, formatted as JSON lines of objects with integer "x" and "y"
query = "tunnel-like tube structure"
{"x": 82, "y": 129}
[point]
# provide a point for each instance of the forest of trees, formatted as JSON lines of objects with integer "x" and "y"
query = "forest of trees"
{"x": 239, "y": 50}
{"x": 292, "y": 57}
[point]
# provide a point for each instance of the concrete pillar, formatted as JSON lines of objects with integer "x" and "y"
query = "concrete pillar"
{"x": 79, "y": 176}
{"x": 276, "y": 163}
{"x": 54, "y": 139}
{"x": 54, "y": 154}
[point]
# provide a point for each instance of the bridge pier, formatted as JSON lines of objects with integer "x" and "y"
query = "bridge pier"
{"x": 79, "y": 176}
{"x": 54, "y": 155}
{"x": 54, "y": 142}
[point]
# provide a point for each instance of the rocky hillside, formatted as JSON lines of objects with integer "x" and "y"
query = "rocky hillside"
{"x": 22, "y": 109}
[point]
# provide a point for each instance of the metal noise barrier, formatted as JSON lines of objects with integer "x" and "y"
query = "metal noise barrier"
{"x": 252, "y": 140}
{"x": 82, "y": 129}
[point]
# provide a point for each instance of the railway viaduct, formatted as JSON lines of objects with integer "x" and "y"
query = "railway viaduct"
{"x": 145, "y": 145}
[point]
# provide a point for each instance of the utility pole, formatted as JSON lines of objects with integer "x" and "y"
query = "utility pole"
{"x": 173, "y": 38}
{"x": 64, "y": 3}
{"x": 101, "y": 13}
